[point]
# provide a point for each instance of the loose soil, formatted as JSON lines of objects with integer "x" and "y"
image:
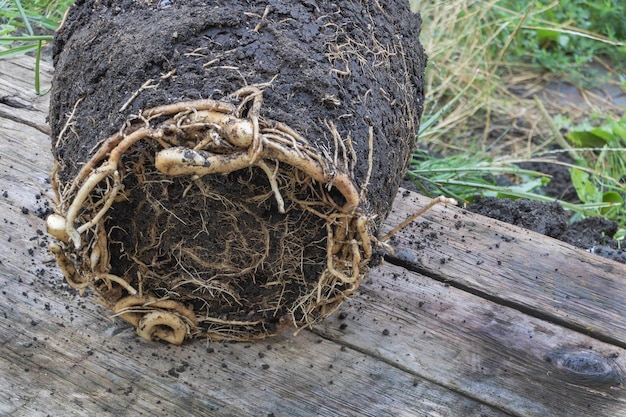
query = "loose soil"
{"x": 345, "y": 75}
{"x": 593, "y": 233}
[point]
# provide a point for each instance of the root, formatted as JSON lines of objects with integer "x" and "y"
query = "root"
{"x": 68, "y": 123}
{"x": 157, "y": 325}
{"x": 68, "y": 269}
{"x": 120, "y": 281}
{"x": 155, "y": 319}
{"x": 209, "y": 137}
{"x": 408, "y": 220}
{"x": 370, "y": 158}
{"x": 148, "y": 84}
{"x": 271, "y": 176}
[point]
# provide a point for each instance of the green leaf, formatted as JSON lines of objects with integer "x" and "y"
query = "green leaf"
{"x": 546, "y": 37}
{"x": 549, "y": 39}
{"x": 585, "y": 189}
{"x": 586, "y": 139}
{"x": 605, "y": 132}
{"x": 612, "y": 133}
{"x": 612, "y": 197}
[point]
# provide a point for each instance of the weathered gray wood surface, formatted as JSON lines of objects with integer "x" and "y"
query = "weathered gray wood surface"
{"x": 469, "y": 317}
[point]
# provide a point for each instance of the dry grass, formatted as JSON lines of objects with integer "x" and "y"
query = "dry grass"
{"x": 498, "y": 113}
{"x": 488, "y": 108}
{"x": 460, "y": 55}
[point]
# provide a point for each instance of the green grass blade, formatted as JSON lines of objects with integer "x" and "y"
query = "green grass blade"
{"x": 480, "y": 170}
{"x": 589, "y": 209}
{"x": 18, "y": 50}
{"x": 27, "y": 38}
{"x": 37, "y": 60}
{"x": 18, "y": 3}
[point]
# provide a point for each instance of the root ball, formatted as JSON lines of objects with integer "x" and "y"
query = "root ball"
{"x": 208, "y": 185}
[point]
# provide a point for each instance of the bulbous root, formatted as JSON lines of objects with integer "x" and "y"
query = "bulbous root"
{"x": 226, "y": 138}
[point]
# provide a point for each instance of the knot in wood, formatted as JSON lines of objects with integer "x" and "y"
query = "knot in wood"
{"x": 586, "y": 367}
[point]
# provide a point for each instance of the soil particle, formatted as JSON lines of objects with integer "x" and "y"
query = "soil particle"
{"x": 546, "y": 218}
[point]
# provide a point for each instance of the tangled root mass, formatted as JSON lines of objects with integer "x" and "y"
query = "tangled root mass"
{"x": 244, "y": 256}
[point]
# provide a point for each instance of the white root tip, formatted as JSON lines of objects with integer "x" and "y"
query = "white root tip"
{"x": 56, "y": 227}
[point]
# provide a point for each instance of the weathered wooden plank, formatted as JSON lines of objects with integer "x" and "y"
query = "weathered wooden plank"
{"x": 17, "y": 100}
{"x": 514, "y": 266}
{"x": 487, "y": 351}
{"x": 62, "y": 355}
{"x": 232, "y": 380}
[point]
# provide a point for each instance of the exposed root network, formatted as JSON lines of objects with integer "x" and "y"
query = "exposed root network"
{"x": 285, "y": 247}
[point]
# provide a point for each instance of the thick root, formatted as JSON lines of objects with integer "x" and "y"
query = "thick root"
{"x": 155, "y": 319}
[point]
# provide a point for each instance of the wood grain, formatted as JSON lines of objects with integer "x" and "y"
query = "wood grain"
{"x": 486, "y": 351}
{"x": 513, "y": 266}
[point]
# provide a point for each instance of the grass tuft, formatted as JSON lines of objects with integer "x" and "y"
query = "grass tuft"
{"x": 489, "y": 65}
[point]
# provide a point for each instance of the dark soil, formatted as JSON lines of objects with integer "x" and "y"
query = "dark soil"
{"x": 560, "y": 185}
{"x": 593, "y": 234}
{"x": 357, "y": 65}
